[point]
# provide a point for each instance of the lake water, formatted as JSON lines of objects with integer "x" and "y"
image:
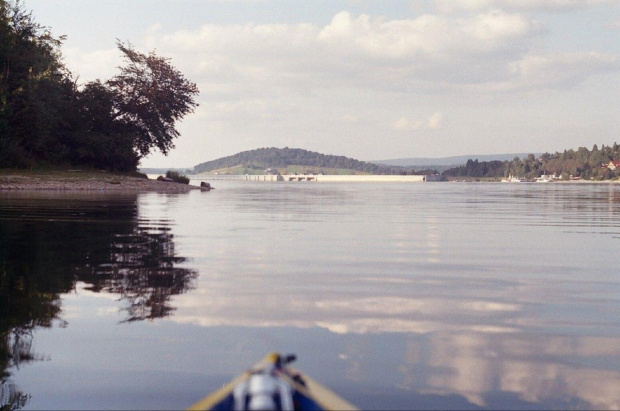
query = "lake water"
{"x": 423, "y": 295}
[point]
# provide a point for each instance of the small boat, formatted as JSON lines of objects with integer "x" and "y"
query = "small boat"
{"x": 512, "y": 179}
{"x": 546, "y": 178}
{"x": 272, "y": 384}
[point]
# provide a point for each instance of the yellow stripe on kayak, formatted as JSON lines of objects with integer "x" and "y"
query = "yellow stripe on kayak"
{"x": 215, "y": 398}
{"x": 323, "y": 396}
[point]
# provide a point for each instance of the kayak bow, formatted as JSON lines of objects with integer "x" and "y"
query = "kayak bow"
{"x": 272, "y": 385}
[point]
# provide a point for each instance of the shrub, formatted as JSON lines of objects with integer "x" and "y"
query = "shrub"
{"x": 177, "y": 177}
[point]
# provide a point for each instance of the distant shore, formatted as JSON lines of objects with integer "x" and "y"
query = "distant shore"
{"x": 494, "y": 180}
{"x": 78, "y": 180}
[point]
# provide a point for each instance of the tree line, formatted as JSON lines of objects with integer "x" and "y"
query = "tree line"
{"x": 48, "y": 119}
{"x": 283, "y": 157}
{"x": 582, "y": 163}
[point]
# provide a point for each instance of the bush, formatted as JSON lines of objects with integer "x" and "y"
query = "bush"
{"x": 177, "y": 177}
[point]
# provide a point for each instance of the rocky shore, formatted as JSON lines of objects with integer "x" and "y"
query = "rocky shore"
{"x": 76, "y": 180}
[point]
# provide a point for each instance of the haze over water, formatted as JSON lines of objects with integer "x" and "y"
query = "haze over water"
{"x": 424, "y": 295}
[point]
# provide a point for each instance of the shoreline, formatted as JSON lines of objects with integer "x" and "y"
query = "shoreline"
{"x": 76, "y": 180}
{"x": 536, "y": 183}
{"x": 101, "y": 181}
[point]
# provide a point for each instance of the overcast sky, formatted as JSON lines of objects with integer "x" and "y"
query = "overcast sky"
{"x": 367, "y": 79}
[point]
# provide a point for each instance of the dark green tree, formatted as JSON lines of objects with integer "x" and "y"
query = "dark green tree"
{"x": 149, "y": 97}
{"x": 32, "y": 85}
{"x": 96, "y": 138}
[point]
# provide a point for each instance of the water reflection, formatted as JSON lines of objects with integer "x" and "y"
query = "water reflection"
{"x": 396, "y": 296}
{"x": 559, "y": 370}
{"x": 48, "y": 242}
{"x": 505, "y": 296}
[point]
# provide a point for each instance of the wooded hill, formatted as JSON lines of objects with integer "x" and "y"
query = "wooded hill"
{"x": 280, "y": 158}
{"x": 581, "y": 163}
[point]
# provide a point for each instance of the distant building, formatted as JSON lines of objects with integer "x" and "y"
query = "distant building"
{"x": 612, "y": 165}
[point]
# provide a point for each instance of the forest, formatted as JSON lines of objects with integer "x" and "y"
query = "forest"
{"x": 49, "y": 119}
{"x": 582, "y": 163}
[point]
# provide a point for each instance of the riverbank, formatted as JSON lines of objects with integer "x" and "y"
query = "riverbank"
{"x": 81, "y": 180}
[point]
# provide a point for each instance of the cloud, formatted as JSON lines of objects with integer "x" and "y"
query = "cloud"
{"x": 558, "y": 71}
{"x": 350, "y": 51}
{"x": 404, "y": 124}
{"x": 432, "y": 123}
{"x": 426, "y": 37}
{"x": 281, "y": 62}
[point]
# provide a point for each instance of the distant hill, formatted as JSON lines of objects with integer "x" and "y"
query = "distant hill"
{"x": 448, "y": 161}
{"x": 264, "y": 158}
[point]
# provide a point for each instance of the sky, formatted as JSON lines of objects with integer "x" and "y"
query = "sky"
{"x": 367, "y": 79}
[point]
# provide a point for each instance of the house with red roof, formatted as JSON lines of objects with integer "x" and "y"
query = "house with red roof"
{"x": 612, "y": 165}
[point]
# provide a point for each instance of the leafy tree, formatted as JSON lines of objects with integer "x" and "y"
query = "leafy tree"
{"x": 149, "y": 96}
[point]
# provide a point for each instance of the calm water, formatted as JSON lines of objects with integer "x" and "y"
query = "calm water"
{"x": 441, "y": 295}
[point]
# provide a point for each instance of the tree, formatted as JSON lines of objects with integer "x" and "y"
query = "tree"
{"x": 47, "y": 119}
{"x": 97, "y": 140}
{"x": 32, "y": 79}
{"x": 150, "y": 95}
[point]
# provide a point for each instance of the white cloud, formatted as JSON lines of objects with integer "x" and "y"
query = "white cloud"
{"x": 350, "y": 52}
{"x": 560, "y": 70}
{"x": 155, "y": 28}
{"x": 424, "y": 37}
{"x": 285, "y": 62}
{"x": 435, "y": 120}
{"x": 404, "y": 124}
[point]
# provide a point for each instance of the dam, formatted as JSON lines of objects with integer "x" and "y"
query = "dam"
{"x": 321, "y": 178}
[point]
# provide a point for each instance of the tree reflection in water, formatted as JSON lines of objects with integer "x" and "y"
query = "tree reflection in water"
{"x": 48, "y": 243}
{"x": 142, "y": 269}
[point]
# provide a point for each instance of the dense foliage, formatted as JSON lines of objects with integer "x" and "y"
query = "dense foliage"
{"x": 177, "y": 177}
{"x": 46, "y": 118}
{"x": 583, "y": 163}
{"x": 264, "y": 158}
